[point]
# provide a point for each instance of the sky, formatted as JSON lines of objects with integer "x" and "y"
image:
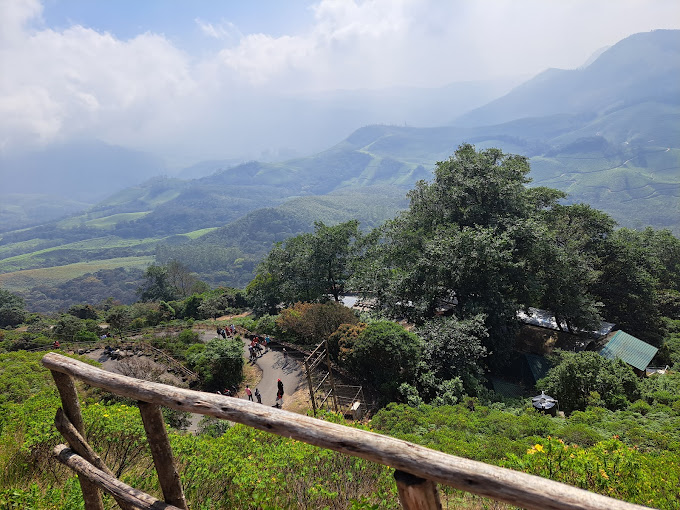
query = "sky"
{"x": 194, "y": 80}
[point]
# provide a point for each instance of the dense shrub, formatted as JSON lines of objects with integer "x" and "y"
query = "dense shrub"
{"x": 583, "y": 378}
{"x": 220, "y": 364}
{"x": 310, "y": 323}
{"x": 385, "y": 355}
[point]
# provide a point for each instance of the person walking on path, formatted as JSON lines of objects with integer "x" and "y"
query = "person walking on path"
{"x": 267, "y": 341}
{"x": 285, "y": 357}
{"x": 279, "y": 383}
{"x": 249, "y": 393}
{"x": 258, "y": 395}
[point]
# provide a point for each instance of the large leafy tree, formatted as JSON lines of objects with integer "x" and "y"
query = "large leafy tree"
{"x": 467, "y": 241}
{"x": 157, "y": 285}
{"x": 572, "y": 247}
{"x": 309, "y": 267}
{"x": 634, "y": 275}
{"x": 119, "y": 318}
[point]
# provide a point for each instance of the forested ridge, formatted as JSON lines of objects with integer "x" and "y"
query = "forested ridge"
{"x": 441, "y": 285}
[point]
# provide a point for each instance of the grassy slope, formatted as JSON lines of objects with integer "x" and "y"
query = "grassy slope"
{"x": 20, "y": 280}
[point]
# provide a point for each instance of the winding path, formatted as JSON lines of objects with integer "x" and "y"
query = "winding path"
{"x": 273, "y": 367}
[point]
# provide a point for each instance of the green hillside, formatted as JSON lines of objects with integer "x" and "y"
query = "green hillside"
{"x": 46, "y": 260}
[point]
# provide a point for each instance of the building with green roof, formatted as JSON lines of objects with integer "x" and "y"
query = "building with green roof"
{"x": 629, "y": 349}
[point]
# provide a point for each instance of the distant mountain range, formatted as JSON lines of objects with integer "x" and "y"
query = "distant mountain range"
{"x": 607, "y": 133}
{"x": 643, "y": 68}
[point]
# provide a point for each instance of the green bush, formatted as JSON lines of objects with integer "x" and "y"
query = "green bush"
{"x": 267, "y": 325}
{"x": 640, "y": 406}
{"x": 220, "y": 364}
{"x": 580, "y": 434}
{"x": 385, "y": 355}
{"x": 189, "y": 336}
{"x": 610, "y": 468}
{"x": 586, "y": 378}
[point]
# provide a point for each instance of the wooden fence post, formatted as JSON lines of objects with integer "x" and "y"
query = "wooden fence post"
{"x": 71, "y": 406}
{"x": 417, "y": 493}
{"x": 152, "y": 417}
{"x": 82, "y": 448}
{"x": 311, "y": 386}
{"x": 129, "y": 495}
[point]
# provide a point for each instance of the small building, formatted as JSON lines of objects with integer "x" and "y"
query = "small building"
{"x": 631, "y": 350}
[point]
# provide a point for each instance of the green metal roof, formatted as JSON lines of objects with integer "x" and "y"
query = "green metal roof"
{"x": 632, "y": 350}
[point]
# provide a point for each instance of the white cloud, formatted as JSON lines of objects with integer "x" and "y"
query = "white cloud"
{"x": 147, "y": 92}
{"x": 78, "y": 81}
{"x": 223, "y": 30}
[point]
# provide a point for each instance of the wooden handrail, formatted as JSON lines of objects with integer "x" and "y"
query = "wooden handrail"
{"x": 121, "y": 491}
{"x": 498, "y": 483}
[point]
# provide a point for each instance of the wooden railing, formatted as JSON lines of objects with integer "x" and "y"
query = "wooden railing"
{"x": 418, "y": 469}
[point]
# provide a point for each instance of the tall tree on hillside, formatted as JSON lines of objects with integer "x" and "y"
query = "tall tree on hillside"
{"x": 306, "y": 268}
{"x": 573, "y": 246}
{"x": 156, "y": 285}
{"x": 332, "y": 250}
{"x": 181, "y": 279}
{"x": 466, "y": 241}
{"x": 630, "y": 285}
{"x": 12, "y": 309}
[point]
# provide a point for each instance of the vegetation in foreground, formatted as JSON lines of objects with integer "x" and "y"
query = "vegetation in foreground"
{"x": 632, "y": 454}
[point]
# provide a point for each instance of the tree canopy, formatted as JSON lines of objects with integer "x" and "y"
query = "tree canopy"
{"x": 468, "y": 240}
{"x": 12, "y": 309}
{"x": 310, "y": 267}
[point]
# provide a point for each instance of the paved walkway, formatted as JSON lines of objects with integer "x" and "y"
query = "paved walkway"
{"x": 273, "y": 367}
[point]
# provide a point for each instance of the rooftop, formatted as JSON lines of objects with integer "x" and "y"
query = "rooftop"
{"x": 627, "y": 348}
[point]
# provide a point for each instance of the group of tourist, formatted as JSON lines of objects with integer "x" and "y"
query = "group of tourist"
{"x": 258, "y": 347}
{"x": 225, "y": 332}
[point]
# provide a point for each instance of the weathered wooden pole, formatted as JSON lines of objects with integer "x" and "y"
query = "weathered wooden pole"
{"x": 133, "y": 497}
{"x": 71, "y": 406}
{"x": 82, "y": 448}
{"x": 334, "y": 393}
{"x": 152, "y": 417}
{"x": 311, "y": 386}
{"x": 417, "y": 493}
